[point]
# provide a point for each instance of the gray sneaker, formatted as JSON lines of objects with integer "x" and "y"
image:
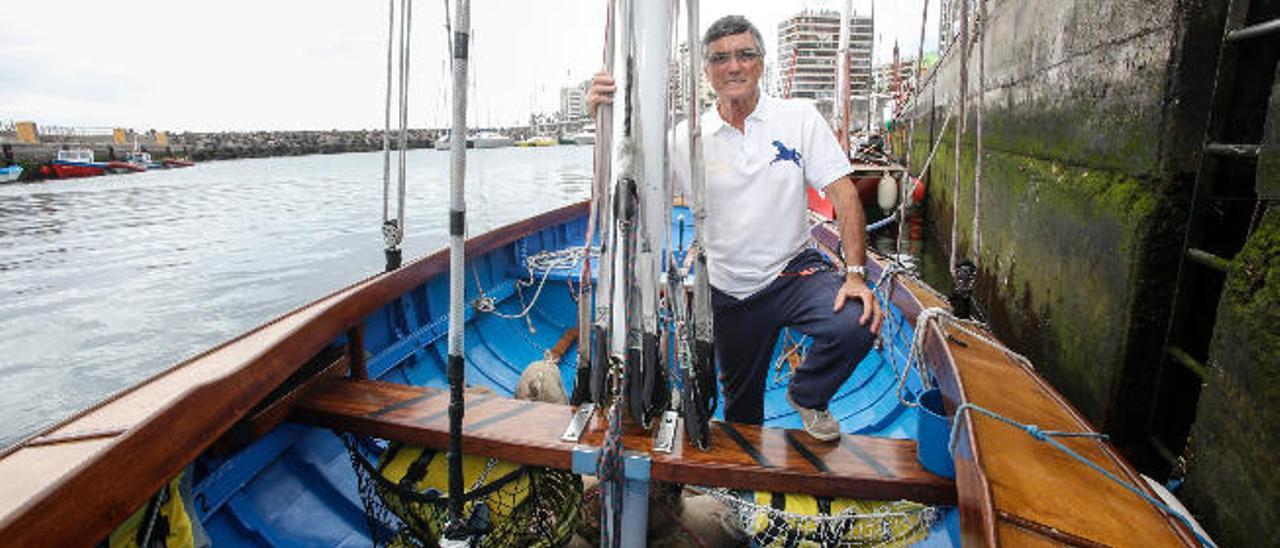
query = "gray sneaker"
{"x": 818, "y": 423}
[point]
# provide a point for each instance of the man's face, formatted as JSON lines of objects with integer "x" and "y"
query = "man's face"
{"x": 734, "y": 65}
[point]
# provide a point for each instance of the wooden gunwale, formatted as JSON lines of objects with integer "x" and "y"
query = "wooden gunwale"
{"x": 108, "y": 481}
{"x": 984, "y": 519}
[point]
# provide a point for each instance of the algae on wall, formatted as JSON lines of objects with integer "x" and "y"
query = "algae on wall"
{"x": 1234, "y": 480}
{"x": 1059, "y": 259}
{"x": 1093, "y": 113}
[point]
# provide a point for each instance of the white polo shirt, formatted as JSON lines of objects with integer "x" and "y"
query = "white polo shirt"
{"x": 756, "y": 203}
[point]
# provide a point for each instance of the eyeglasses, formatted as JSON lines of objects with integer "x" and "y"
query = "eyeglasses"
{"x": 746, "y": 55}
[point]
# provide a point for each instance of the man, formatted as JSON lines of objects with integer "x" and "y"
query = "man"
{"x": 759, "y": 153}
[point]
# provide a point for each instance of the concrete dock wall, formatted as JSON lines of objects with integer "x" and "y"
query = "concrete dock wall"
{"x": 1088, "y": 157}
{"x": 1095, "y": 111}
{"x": 1232, "y": 479}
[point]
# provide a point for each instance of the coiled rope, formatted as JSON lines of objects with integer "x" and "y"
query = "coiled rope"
{"x": 546, "y": 261}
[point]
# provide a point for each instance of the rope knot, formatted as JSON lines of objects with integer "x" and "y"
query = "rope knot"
{"x": 1036, "y": 432}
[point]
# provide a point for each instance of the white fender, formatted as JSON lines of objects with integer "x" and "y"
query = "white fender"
{"x": 887, "y": 192}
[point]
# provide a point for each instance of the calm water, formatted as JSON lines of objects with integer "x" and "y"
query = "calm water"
{"x": 105, "y": 281}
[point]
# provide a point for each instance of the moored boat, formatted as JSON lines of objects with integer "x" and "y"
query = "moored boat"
{"x": 491, "y": 139}
{"x": 9, "y": 174}
{"x": 142, "y": 159}
{"x": 125, "y": 166}
{"x": 538, "y": 141}
{"x": 443, "y": 142}
{"x": 176, "y": 162}
{"x": 253, "y": 420}
{"x": 76, "y": 162}
{"x": 585, "y": 137}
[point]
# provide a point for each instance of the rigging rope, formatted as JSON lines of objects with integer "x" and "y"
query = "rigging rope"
{"x": 977, "y": 169}
{"x": 386, "y": 133}
{"x": 546, "y": 261}
{"x": 960, "y": 129}
{"x": 405, "y": 30}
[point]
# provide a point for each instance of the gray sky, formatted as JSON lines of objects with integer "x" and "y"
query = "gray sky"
{"x": 320, "y": 64}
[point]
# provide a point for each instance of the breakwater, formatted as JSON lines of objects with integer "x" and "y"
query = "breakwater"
{"x": 1094, "y": 117}
{"x": 217, "y": 146}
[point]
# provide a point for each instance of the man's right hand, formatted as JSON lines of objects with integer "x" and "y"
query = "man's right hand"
{"x": 601, "y": 92}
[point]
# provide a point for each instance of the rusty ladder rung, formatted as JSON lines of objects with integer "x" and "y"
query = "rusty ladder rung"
{"x": 1260, "y": 30}
{"x": 1233, "y": 150}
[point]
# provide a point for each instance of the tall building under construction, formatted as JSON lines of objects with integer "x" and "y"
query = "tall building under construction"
{"x": 807, "y": 46}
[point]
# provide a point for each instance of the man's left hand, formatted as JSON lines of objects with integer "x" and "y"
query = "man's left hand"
{"x": 855, "y": 288}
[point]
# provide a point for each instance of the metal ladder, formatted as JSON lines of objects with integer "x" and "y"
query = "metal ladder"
{"x": 1237, "y": 178}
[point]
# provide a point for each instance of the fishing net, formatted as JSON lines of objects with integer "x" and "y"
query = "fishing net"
{"x": 792, "y": 520}
{"x": 404, "y": 490}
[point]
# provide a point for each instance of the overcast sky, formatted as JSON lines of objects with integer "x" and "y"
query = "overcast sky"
{"x": 321, "y": 64}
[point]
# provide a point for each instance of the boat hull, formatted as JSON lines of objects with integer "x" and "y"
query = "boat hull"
{"x": 9, "y": 174}
{"x": 72, "y": 170}
{"x": 493, "y": 143}
{"x": 261, "y": 480}
{"x": 125, "y": 167}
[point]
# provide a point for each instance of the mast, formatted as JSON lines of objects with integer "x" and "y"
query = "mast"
{"x": 593, "y": 330}
{"x": 456, "y": 530}
{"x": 842, "y": 95}
{"x": 651, "y": 52}
{"x": 871, "y": 63}
{"x": 700, "y": 385}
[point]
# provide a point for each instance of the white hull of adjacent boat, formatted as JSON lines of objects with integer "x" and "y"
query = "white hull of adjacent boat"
{"x": 495, "y": 141}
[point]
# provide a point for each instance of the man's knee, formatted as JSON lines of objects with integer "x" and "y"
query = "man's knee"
{"x": 847, "y": 333}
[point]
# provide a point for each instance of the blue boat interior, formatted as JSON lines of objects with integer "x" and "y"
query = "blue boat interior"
{"x": 296, "y": 486}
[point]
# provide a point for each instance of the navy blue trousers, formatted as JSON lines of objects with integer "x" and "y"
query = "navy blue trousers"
{"x": 746, "y": 332}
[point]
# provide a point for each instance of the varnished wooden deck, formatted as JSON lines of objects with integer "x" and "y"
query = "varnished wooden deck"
{"x": 740, "y": 456}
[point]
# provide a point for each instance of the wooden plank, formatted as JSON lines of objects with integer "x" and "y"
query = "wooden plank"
{"x": 740, "y": 456}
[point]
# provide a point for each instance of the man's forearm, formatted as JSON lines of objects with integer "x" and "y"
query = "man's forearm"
{"x": 851, "y": 220}
{"x": 853, "y": 236}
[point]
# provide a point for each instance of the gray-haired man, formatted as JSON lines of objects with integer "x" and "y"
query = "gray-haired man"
{"x": 759, "y": 153}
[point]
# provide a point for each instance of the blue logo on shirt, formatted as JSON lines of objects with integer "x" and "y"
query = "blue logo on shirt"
{"x": 785, "y": 154}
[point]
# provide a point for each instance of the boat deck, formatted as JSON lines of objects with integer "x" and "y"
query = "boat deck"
{"x": 740, "y": 456}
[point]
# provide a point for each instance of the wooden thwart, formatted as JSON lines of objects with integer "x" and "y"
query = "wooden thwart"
{"x": 740, "y": 456}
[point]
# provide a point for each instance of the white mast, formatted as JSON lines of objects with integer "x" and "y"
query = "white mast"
{"x": 842, "y": 97}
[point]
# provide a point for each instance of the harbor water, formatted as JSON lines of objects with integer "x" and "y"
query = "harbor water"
{"x": 106, "y": 281}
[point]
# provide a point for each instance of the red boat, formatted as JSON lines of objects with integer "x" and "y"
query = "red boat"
{"x": 76, "y": 162}
{"x": 176, "y": 162}
{"x": 116, "y": 166}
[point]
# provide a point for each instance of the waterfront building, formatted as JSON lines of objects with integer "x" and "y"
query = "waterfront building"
{"x": 573, "y": 103}
{"x": 807, "y": 44}
{"x": 679, "y": 74}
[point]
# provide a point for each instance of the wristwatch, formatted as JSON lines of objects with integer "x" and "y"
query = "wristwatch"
{"x": 860, "y": 270}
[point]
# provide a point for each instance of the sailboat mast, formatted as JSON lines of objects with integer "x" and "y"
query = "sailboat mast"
{"x": 457, "y": 274}
{"x": 698, "y": 393}
{"x": 601, "y": 211}
{"x": 871, "y": 62}
{"x": 842, "y": 96}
